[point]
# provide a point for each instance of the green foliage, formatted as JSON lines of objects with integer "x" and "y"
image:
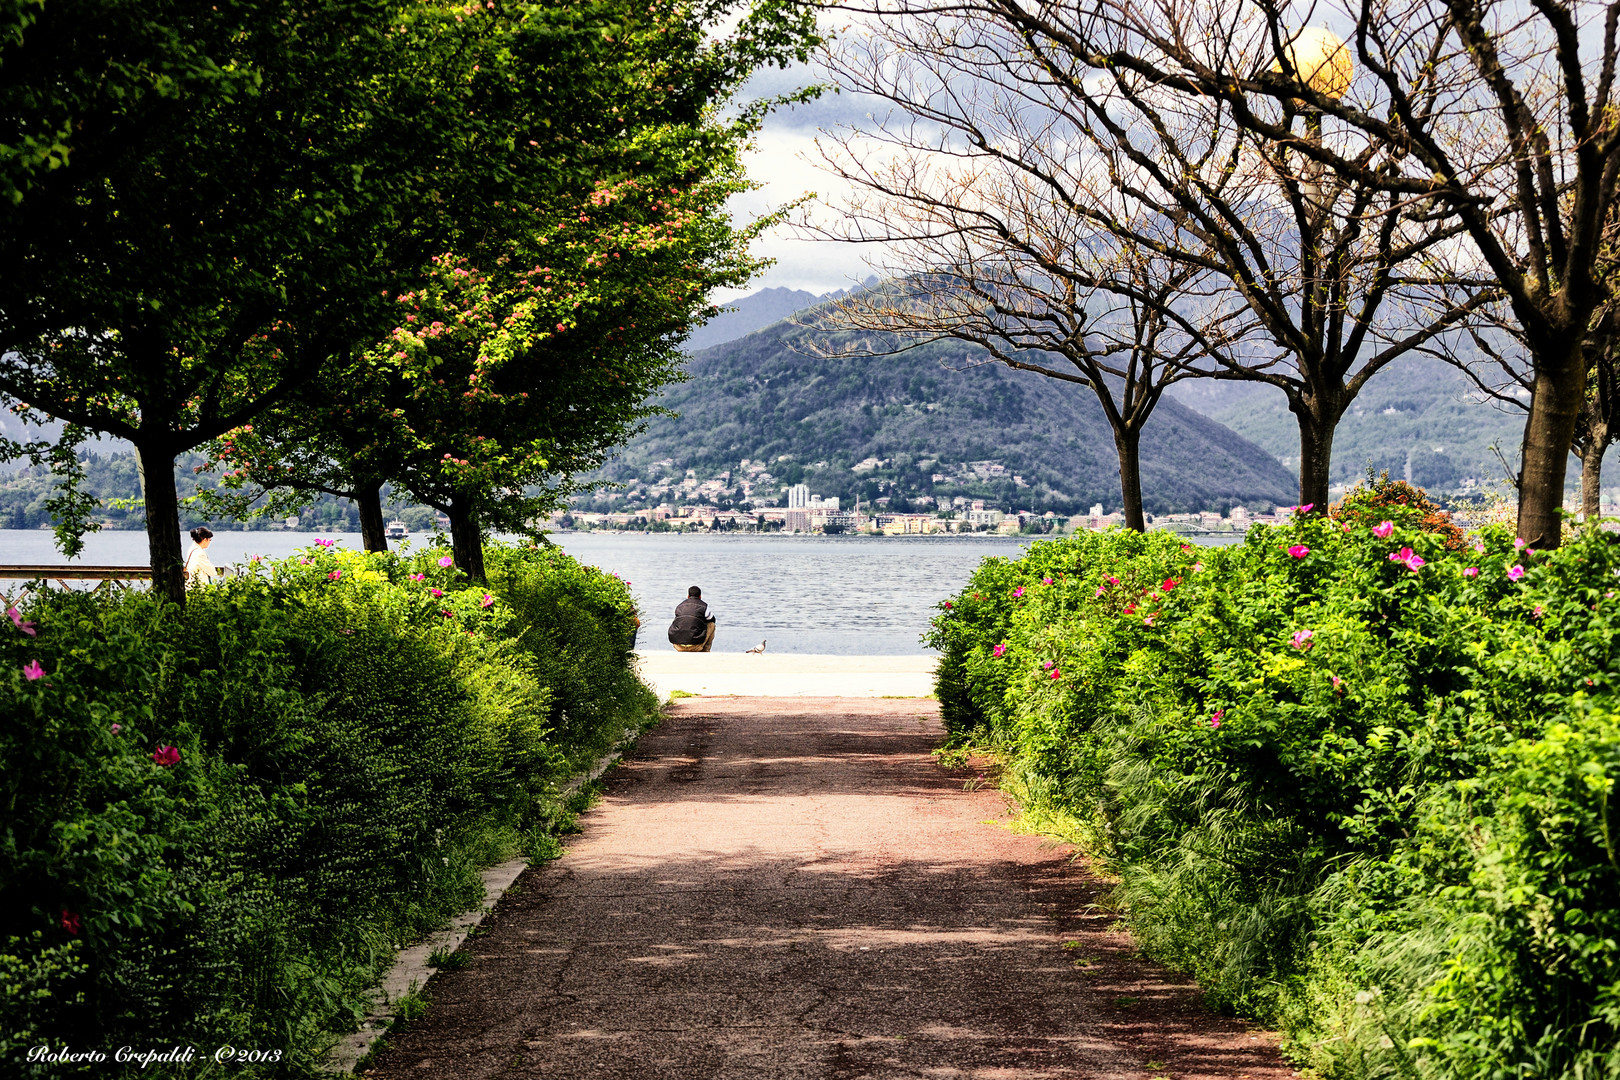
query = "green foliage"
{"x": 356, "y": 736}
{"x": 1363, "y": 801}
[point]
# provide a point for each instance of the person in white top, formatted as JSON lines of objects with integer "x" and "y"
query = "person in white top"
{"x": 198, "y": 568}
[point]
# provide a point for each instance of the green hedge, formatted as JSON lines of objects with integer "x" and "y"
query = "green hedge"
{"x": 1359, "y": 796}
{"x": 357, "y": 735}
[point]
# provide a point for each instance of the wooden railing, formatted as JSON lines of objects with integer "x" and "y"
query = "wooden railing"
{"x": 73, "y": 572}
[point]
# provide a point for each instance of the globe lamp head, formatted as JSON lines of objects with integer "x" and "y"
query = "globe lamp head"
{"x": 1320, "y": 60}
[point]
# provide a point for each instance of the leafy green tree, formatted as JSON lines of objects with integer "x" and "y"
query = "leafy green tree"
{"x": 529, "y": 349}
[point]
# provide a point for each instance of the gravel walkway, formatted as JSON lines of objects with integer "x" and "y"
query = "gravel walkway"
{"x": 779, "y": 888}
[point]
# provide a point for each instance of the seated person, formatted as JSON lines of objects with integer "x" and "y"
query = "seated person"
{"x": 693, "y": 628}
{"x": 199, "y": 570}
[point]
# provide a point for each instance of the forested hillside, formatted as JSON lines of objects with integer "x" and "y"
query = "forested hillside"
{"x": 929, "y": 425}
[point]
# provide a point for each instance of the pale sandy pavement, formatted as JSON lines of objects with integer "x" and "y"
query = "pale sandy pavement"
{"x": 793, "y": 889}
{"x": 717, "y": 674}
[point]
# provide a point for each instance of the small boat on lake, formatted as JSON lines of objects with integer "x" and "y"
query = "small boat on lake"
{"x": 396, "y": 530}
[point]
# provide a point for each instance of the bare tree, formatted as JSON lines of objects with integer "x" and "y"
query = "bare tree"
{"x": 1014, "y": 133}
{"x": 1498, "y": 116}
{"x": 1098, "y": 316}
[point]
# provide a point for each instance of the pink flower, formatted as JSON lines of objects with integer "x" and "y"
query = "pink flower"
{"x": 446, "y": 561}
{"x": 418, "y": 577}
{"x": 1408, "y": 558}
{"x": 947, "y": 605}
{"x": 1337, "y": 682}
{"x": 1101, "y": 590}
{"x": 999, "y": 651}
{"x": 1046, "y": 581}
{"x": 334, "y": 575}
{"x": 1299, "y": 551}
{"x": 32, "y": 671}
{"x": 1018, "y": 592}
{"x": 1472, "y": 571}
{"x": 1130, "y": 608}
{"x": 1538, "y": 611}
{"x": 447, "y": 613}
{"x": 166, "y": 755}
{"x": 1301, "y": 639}
{"x": 1383, "y": 529}
{"x": 1048, "y": 665}
{"x": 1113, "y": 581}
{"x": 1479, "y": 547}
{"x": 1515, "y": 573}
{"x": 1169, "y": 583}
{"x": 486, "y": 601}
{"x": 71, "y": 923}
{"x": 324, "y": 543}
{"x": 1215, "y": 718}
{"x": 1518, "y": 543}
{"x": 1149, "y": 620}
{"x": 116, "y": 728}
{"x": 1056, "y": 674}
{"x": 17, "y": 621}
{"x": 436, "y": 592}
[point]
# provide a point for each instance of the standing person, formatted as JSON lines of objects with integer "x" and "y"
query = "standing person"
{"x": 198, "y": 568}
{"x": 693, "y": 628}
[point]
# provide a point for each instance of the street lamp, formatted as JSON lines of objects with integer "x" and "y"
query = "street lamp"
{"x": 1320, "y": 60}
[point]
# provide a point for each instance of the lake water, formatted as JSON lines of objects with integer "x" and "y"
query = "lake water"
{"x": 846, "y": 595}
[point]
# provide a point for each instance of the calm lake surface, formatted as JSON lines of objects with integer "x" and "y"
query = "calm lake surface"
{"x": 847, "y": 595}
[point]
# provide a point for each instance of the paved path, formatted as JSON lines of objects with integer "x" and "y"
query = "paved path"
{"x": 786, "y": 674}
{"x": 791, "y": 888}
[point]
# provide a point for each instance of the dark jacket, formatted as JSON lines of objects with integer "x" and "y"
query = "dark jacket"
{"x": 691, "y": 623}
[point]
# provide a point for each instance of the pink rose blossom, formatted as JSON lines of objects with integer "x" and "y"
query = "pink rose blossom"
{"x": 1515, "y": 573}
{"x": 1046, "y": 581}
{"x": 324, "y": 543}
{"x": 1479, "y": 547}
{"x": 1383, "y": 529}
{"x": 1408, "y": 558}
{"x": 1472, "y": 571}
{"x": 446, "y": 561}
{"x": 1048, "y": 665}
{"x": 166, "y": 755}
{"x": 1149, "y": 620}
{"x": 1018, "y": 592}
{"x": 116, "y": 728}
{"x": 334, "y": 575}
{"x": 1101, "y": 590}
{"x": 436, "y": 592}
{"x": 1169, "y": 583}
{"x": 32, "y": 671}
{"x": 1215, "y": 718}
{"x": 17, "y": 621}
{"x": 999, "y": 651}
{"x": 1518, "y": 543}
{"x": 1299, "y": 551}
{"x": 1056, "y": 674}
{"x": 418, "y": 577}
{"x": 1301, "y": 639}
{"x": 487, "y": 601}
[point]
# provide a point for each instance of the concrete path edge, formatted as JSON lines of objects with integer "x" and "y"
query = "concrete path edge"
{"x": 410, "y": 971}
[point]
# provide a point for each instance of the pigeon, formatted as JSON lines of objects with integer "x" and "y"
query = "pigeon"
{"x": 758, "y": 648}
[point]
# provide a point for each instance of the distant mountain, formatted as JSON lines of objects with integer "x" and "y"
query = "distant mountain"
{"x": 1418, "y": 412}
{"x": 744, "y": 315}
{"x": 931, "y": 424}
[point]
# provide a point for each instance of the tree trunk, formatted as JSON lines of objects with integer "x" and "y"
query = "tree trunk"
{"x": 156, "y": 470}
{"x": 467, "y": 537}
{"x": 1556, "y": 401}
{"x": 1591, "y": 480}
{"x": 1127, "y": 442}
{"x": 368, "y": 500}
{"x": 1315, "y": 458}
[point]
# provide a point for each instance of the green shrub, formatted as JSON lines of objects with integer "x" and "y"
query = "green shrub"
{"x": 1357, "y": 792}
{"x": 356, "y": 735}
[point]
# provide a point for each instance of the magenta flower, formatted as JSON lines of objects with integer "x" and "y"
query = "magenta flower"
{"x": 1537, "y": 613}
{"x": 1301, "y": 639}
{"x": 1407, "y": 558}
{"x": 999, "y": 651}
{"x": 334, "y": 575}
{"x": 1515, "y": 573}
{"x": 1169, "y": 583}
{"x": 1101, "y": 590}
{"x": 1299, "y": 551}
{"x": 116, "y": 728}
{"x": 1198, "y": 568}
{"x": 1046, "y": 581}
{"x": 166, "y": 755}
{"x": 1215, "y": 718}
{"x": 1383, "y": 529}
{"x": 1337, "y": 682}
{"x": 447, "y": 613}
{"x": 17, "y": 621}
{"x": 324, "y": 543}
{"x": 436, "y": 592}
{"x": 947, "y": 605}
{"x": 1149, "y": 620}
{"x": 1518, "y": 543}
{"x": 486, "y": 601}
{"x": 1113, "y": 581}
{"x": 1048, "y": 665}
{"x": 1056, "y": 674}
{"x": 1479, "y": 547}
{"x": 1018, "y": 592}
{"x": 1472, "y": 571}
{"x": 446, "y": 561}
{"x": 71, "y": 923}
{"x": 32, "y": 671}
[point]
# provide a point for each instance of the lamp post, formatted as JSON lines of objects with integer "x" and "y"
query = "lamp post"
{"x": 1320, "y": 60}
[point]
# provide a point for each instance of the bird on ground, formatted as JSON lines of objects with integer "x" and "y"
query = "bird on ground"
{"x": 758, "y": 648}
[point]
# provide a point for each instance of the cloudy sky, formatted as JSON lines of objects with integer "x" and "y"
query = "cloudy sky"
{"x": 783, "y": 162}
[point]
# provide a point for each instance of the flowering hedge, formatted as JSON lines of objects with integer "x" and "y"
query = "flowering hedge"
{"x": 219, "y": 825}
{"x": 1353, "y": 775}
